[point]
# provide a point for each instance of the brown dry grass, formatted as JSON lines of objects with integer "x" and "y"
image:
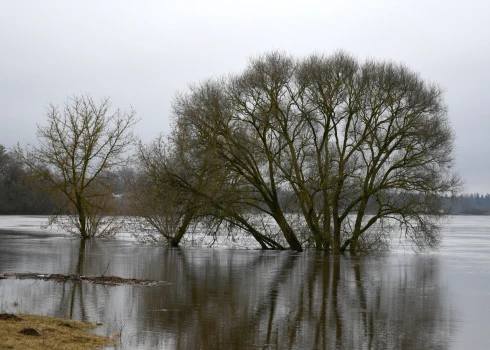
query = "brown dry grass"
{"x": 55, "y": 333}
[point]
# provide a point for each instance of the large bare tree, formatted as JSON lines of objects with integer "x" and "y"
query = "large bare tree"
{"x": 81, "y": 144}
{"x": 360, "y": 147}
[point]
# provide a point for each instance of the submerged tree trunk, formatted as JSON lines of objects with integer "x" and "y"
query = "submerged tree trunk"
{"x": 187, "y": 219}
{"x": 288, "y": 233}
{"x": 82, "y": 219}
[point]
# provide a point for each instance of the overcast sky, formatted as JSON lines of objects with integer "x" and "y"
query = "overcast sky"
{"x": 140, "y": 53}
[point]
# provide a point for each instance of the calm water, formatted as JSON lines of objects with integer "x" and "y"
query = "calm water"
{"x": 247, "y": 299}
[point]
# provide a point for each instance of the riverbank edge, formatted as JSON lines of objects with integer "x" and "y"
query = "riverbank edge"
{"x": 28, "y": 331}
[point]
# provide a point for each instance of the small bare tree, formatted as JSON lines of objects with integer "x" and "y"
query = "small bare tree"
{"x": 161, "y": 212}
{"x": 182, "y": 184}
{"x": 80, "y": 145}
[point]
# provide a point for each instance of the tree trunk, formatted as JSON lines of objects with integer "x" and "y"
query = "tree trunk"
{"x": 335, "y": 216}
{"x": 82, "y": 218}
{"x": 174, "y": 242}
{"x": 357, "y": 227}
{"x": 288, "y": 233}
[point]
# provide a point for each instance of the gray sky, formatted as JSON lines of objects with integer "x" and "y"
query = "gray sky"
{"x": 140, "y": 53}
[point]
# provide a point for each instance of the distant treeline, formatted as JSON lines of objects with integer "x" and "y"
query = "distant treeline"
{"x": 23, "y": 194}
{"x": 20, "y": 193}
{"x": 467, "y": 204}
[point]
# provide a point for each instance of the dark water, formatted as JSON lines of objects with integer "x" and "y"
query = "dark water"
{"x": 245, "y": 299}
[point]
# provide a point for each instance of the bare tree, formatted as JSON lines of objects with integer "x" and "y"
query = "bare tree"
{"x": 161, "y": 213}
{"x": 81, "y": 143}
{"x": 360, "y": 146}
{"x": 387, "y": 140}
{"x": 182, "y": 184}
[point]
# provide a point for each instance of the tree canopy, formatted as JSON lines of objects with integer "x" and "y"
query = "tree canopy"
{"x": 333, "y": 151}
{"x": 79, "y": 146}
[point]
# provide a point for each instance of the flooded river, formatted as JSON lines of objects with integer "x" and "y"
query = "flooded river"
{"x": 252, "y": 299}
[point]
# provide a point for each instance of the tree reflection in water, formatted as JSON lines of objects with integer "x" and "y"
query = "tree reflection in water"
{"x": 283, "y": 300}
{"x": 232, "y": 299}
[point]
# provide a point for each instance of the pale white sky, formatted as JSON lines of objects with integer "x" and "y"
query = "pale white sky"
{"x": 140, "y": 53}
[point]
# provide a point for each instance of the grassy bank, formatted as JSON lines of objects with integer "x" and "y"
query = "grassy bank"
{"x": 41, "y": 332}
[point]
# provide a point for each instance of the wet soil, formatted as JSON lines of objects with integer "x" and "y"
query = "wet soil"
{"x": 107, "y": 280}
{"x": 30, "y": 331}
{"x": 9, "y": 317}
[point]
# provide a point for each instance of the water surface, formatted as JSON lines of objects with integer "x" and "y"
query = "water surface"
{"x": 251, "y": 299}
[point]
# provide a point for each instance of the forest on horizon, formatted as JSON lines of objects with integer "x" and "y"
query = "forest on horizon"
{"x": 22, "y": 194}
